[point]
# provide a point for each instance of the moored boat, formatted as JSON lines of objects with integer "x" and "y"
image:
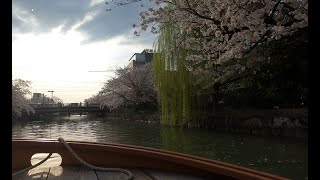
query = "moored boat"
{"x": 143, "y": 162}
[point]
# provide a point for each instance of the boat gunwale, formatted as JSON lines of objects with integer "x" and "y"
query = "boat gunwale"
{"x": 205, "y": 164}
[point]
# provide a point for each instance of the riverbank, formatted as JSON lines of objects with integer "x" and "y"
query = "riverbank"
{"x": 291, "y": 123}
{"x": 262, "y": 122}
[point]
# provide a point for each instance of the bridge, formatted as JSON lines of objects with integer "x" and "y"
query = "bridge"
{"x": 67, "y": 109}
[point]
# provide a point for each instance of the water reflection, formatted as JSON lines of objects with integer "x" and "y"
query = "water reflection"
{"x": 278, "y": 156}
{"x": 168, "y": 137}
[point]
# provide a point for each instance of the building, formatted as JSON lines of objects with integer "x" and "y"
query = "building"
{"x": 36, "y": 97}
{"x": 74, "y": 104}
{"x": 139, "y": 59}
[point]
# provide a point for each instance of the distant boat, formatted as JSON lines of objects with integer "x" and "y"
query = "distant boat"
{"x": 144, "y": 163}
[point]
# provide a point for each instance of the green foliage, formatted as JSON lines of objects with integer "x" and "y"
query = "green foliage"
{"x": 174, "y": 82}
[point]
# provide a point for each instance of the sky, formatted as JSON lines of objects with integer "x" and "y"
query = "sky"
{"x": 55, "y": 44}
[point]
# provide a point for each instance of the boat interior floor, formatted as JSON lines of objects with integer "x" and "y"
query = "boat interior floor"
{"x": 84, "y": 173}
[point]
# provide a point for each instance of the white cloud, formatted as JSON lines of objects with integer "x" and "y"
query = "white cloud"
{"x": 26, "y": 16}
{"x": 95, "y": 2}
{"x": 88, "y": 17}
{"x": 58, "y": 61}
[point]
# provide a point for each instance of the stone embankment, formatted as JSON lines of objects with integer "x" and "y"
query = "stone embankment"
{"x": 265, "y": 122}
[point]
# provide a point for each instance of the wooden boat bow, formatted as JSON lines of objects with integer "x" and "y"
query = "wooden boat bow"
{"x": 130, "y": 156}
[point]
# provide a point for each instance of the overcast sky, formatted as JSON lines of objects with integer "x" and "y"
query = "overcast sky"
{"x": 55, "y": 44}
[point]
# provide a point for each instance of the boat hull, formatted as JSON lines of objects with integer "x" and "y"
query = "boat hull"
{"x": 129, "y": 156}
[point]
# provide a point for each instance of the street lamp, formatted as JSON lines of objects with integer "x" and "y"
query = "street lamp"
{"x": 51, "y": 95}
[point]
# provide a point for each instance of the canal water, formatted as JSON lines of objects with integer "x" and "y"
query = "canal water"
{"x": 280, "y": 156}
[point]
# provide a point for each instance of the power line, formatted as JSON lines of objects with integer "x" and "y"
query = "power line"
{"x": 103, "y": 71}
{"x": 57, "y": 91}
{"x": 68, "y": 81}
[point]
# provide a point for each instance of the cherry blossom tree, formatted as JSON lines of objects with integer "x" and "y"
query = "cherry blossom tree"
{"x": 93, "y": 99}
{"x": 222, "y": 41}
{"x": 221, "y": 30}
{"x": 57, "y": 99}
{"x": 129, "y": 87}
{"x": 20, "y": 88}
{"x": 217, "y": 31}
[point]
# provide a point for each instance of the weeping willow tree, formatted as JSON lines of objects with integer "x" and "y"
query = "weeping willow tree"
{"x": 174, "y": 82}
{"x": 172, "y": 79}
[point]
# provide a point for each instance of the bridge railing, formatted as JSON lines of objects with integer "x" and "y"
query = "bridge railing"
{"x": 75, "y": 105}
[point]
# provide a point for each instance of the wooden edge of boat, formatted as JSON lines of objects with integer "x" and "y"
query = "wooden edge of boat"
{"x": 130, "y": 156}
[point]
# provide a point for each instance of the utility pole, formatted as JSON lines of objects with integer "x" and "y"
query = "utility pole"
{"x": 51, "y": 95}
